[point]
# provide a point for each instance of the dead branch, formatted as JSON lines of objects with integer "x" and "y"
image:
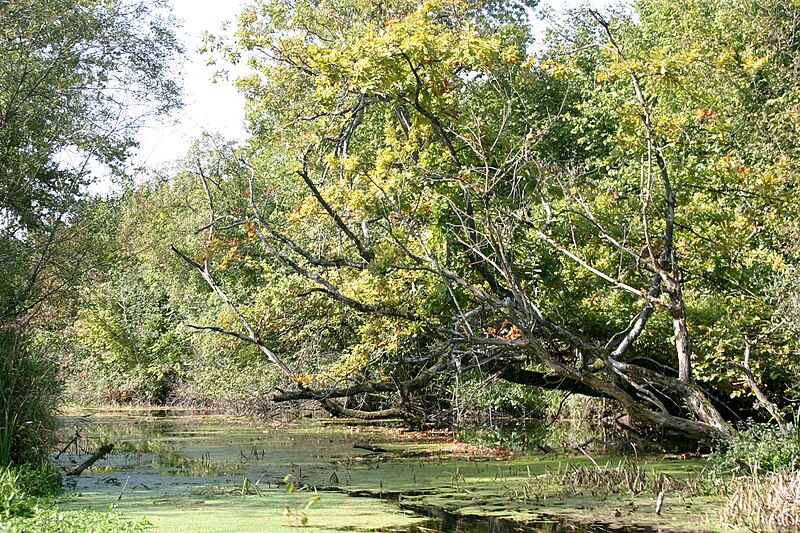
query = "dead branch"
{"x": 366, "y": 254}
{"x": 762, "y": 398}
{"x": 370, "y": 447}
{"x": 96, "y": 456}
{"x": 337, "y": 409}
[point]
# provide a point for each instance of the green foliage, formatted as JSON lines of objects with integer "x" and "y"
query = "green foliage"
{"x": 121, "y": 338}
{"x": 131, "y": 334}
{"x": 29, "y": 393}
{"x": 686, "y": 59}
{"x": 436, "y": 139}
{"x": 76, "y": 79}
{"x": 521, "y": 437}
{"x": 422, "y": 193}
{"x": 760, "y": 446}
{"x": 21, "y": 487}
{"x": 501, "y": 398}
{"x": 24, "y": 507}
{"x": 456, "y": 50}
{"x": 54, "y": 520}
{"x": 229, "y": 384}
{"x": 12, "y": 498}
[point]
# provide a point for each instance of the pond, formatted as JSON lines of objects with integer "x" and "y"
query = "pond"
{"x": 189, "y": 472}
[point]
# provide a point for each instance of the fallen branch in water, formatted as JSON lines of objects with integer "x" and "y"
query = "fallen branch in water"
{"x": 70, "y": 443}
{"x": 370, "y": 447}
{"x": 96, "y": 456}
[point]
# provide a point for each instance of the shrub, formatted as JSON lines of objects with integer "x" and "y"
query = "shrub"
{"x": 13, "y": 501}
{"x": 760, "y": 446}
{"x": 22, "y": 486}
{"x": 24, "y": 508}
{"x": 479, "y": 396}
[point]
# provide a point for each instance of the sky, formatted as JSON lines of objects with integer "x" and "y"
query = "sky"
{"x": 208, "y": 106}
{"x": 217, "y": 107}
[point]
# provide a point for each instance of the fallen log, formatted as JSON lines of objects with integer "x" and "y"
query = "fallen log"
{"x": 96, "y": 456}
{"x": 370, "y": 447}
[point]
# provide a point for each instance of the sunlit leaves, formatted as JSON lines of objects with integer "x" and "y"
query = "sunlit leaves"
{"x": 706, "y": 70}
{"x": 393, "y": 139}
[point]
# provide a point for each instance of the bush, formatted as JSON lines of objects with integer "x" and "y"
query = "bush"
{"x": 479, "y": 396}
{"x": 761, "y": 446}
{"x": 21, "y": 487}
{"x": 29, "y": 393}
{"x": 24, "y": 508}
{"x": 514, "y": 437}
{"x": 13, "y": 501}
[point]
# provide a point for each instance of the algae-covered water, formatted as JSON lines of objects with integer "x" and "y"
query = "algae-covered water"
{"x": 189, "y": 472}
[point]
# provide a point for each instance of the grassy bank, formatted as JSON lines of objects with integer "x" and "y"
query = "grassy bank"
{"x": 26, "y": 493}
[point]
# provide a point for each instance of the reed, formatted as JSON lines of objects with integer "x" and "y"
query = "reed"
{"x": 29, "y": 394}
{"x": 623, "y": 477}
{"x": 766, "y": 502}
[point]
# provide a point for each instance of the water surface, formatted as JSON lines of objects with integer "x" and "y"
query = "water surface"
{"x": 188, "y": 472}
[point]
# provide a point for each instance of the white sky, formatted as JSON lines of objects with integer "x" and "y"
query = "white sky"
{"x": 213, "y": 107}
{"x": 217, "y": 107}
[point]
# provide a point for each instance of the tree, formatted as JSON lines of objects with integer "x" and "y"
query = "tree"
{"x": 77, "y": 78}
{"x": 123, "y": 335}
{"x": 687, "y": 112}
{"x": 562, "y": 221}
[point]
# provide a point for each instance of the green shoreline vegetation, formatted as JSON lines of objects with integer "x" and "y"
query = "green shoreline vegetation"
{"x": 438, "y": 218}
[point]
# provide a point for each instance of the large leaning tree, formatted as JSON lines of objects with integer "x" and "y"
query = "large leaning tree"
{"x": 603, "y": 217}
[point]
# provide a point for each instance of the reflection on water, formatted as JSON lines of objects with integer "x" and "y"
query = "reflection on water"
{"x": 178, "y": 468}
{"x": 450, "y": 523}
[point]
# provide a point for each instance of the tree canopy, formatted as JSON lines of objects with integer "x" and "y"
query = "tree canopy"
{"x": 77, "y": 78}
{"x": 426, "y": 195}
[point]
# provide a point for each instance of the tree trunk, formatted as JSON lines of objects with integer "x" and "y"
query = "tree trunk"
{"x": 681, "y": 331}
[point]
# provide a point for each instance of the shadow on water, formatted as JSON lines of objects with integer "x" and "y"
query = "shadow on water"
{"x": 443, "y": 522}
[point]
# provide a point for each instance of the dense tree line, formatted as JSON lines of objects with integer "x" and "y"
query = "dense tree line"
{"x": 424, "y": 197}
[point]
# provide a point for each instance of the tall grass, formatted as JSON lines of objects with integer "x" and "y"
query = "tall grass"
{"x": 29, "y": 396}
{"x": 764, "y": 490}
{"x": 769, "y": 502}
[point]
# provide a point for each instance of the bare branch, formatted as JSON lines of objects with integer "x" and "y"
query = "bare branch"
{"x": 366, "y": 254}
{"x": 762, "y": 398}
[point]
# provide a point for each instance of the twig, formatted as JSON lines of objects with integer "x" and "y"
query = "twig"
{"x": 125, "y": 486}
{"x": 70, "y": 443}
